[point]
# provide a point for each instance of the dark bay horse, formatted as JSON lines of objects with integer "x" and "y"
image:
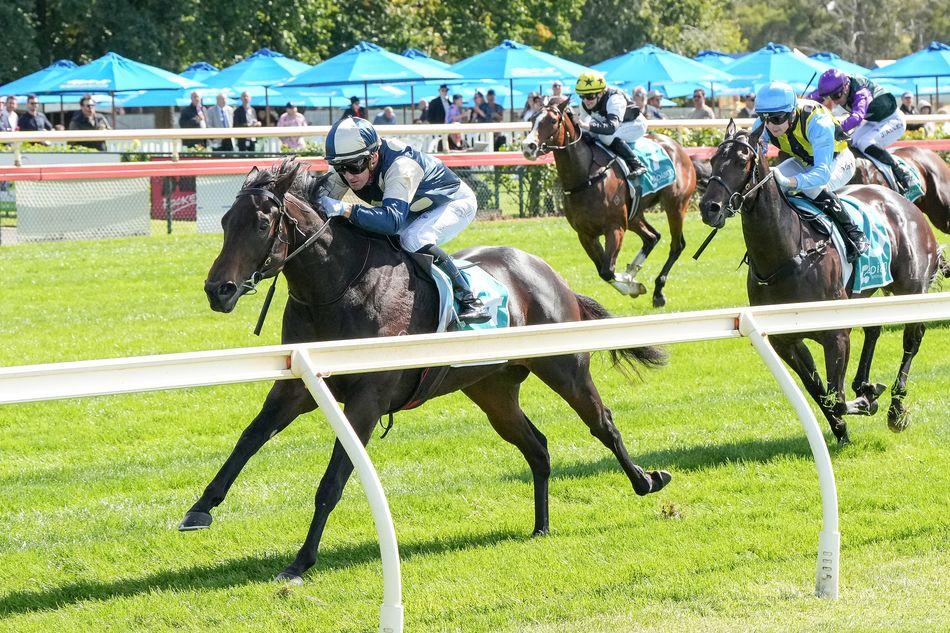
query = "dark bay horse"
{"x": 598, "y": 202}
{"x": 789, "y": 262}
{"x": 348, "y": 284}
{"x": 935, "y": 180}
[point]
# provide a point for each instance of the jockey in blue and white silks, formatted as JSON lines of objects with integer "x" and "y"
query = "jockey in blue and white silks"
{"x": 406, "y": 193}
{"x": 820, "y": 162}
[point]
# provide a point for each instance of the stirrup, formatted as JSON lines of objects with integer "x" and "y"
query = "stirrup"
{"x": 472, "y": 310}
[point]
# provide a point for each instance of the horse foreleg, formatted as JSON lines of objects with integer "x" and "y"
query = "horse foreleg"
{"x": 796, "y": 355}
{"x": 897, "y": 415}
{"x": 287, "y": 400}
{"x": 329, "y": 492}
{"x": 595, "y": 252}
{"x": 625, "y": 283}
{"x": 867, "y": 394}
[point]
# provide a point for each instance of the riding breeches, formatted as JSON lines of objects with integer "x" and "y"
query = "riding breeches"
{"x": 628, "y": 132}
{"x": 881, "y": 133}
{"x": 440, "y": 224}
{"x": 842, "y": 169}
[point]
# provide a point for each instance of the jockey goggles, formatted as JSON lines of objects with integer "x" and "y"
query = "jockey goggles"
{"x": 834, "y": 96}
{"x": 353, "y": 167}
{"x": 775, "y": 118}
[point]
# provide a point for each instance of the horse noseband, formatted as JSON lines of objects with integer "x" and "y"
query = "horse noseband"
{"x": 265, "y": 193}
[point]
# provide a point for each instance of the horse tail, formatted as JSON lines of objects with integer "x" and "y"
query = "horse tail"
{"x": 623, "y": 359}
{"x": 943, "y": 263}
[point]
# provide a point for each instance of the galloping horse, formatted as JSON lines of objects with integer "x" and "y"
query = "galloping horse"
{"x": 789, "y": 261}
{"x": 344, "y": 283}
{"x": 598, "y": 201}
{"x": 935, "y": 180}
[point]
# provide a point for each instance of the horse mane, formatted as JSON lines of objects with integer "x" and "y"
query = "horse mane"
{"x": 303, "y": 185}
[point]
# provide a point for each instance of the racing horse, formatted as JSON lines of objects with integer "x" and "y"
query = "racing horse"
{"x": 789, "y": 262}
{"x": 344, "y": 283}
{"x": 598, "y": 203}
{"x": 935, "y": 181}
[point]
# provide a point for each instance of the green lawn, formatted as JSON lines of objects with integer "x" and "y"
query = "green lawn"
{"x": 92, "y": 490}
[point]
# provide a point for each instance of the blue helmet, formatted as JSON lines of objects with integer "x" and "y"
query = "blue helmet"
{"x": 350, "y": 139}
{"x": 776, "y": 96}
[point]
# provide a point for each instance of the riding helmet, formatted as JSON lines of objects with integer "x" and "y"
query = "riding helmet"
{"x": 349, "y": 139}
{"x": 831, "y": 81}
{"x": 775, "y": 96}
{"x": 590, "y": 83}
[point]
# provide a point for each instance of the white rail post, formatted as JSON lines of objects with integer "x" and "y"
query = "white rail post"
{"x": 391, "y": 611}
{"x": 829, "y": 540}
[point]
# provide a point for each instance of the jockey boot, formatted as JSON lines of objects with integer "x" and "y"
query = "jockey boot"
{"x": 903, "y": 177}
{"x": 855, "y": 241}
{"x": 471, "y": 308}
{"x": 625, "y": 152}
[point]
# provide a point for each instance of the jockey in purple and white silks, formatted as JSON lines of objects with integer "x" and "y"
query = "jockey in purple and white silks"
{"x": 406, "y": 193}
{"x": 820, "y": 160}
{"x": 874, "y": 122}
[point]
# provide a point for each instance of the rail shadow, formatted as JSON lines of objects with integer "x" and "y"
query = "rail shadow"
{"x": 236, "y": 572}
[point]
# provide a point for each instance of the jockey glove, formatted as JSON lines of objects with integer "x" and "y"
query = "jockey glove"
{"x": 781, "y": 179}
{"x": 332, "y": 206}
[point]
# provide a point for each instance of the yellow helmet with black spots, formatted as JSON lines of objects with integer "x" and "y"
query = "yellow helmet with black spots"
{"x": 590, "y": 83}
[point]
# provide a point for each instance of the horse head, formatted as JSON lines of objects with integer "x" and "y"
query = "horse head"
{"x": 733, "y": 167}
{"x": 257, "y": 233}
{"x": 552, "y": 128}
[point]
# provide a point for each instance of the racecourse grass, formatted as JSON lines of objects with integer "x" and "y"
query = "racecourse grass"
{"x": 91, "y": 490}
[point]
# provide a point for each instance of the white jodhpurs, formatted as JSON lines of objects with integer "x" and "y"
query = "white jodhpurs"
{"x": 629, "y": 132}
{"x": 881, "y": 133}
{"x": 842, "y": 169}
{"x": 440, "y": 224}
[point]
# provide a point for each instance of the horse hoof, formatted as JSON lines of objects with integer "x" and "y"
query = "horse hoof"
{"x": 844, "y": 439}
{"x": 637, "y": 289}
{"x": 290, "y": 578}
{"x": 659, "y": 479}
{"x": 195, "y": 521}
{"x": 659, "y": 301}
{"x": 541, "y": 532}
{"x": 898, "y": 418}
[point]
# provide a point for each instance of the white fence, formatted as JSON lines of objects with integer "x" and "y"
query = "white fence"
{"x": 314, "y": 362}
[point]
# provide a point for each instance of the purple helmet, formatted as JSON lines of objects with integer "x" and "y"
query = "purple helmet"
{"x": 832, "y": 80}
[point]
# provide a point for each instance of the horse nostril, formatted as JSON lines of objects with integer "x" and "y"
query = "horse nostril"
{"x": 227, "y": 289}
{"x": 714, "y": 207}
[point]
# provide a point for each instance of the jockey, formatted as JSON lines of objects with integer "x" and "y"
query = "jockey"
{"x": 875, "y": 119}
{"x": 406, "y": 193}
{"x": 820, "y": 162}
{"x": 611, "y": 118}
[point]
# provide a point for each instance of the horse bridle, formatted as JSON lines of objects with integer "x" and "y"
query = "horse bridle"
{"x": 544, "y": 148}
{"x": 268, "y": 269}
{"x": 738, "y": 198}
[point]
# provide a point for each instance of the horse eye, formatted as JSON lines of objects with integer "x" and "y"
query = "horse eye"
{"x": 264, "y": 225}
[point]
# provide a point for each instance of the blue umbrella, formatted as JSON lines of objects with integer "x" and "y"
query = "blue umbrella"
{"x": 929, "y": 63}
{"x": 843, "y": 65}
{"x": 263, "y": 68}
{"x": 415, "y": 53}
{"x": 775, "y": 62}
{"x": 716, "y": 59}
{"x": 651, "y": 65}
{"x": 200, "y": 71}
{"x": 113, "y": 73}
{"x": 511, "y": 60}
{"x": 367, "y": 63}
{"x": 35, "y": 82}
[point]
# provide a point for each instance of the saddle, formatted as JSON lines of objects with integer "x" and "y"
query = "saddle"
{"x": 914, "y": 192}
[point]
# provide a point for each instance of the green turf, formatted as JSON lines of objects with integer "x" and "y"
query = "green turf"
{"x": 93, "y": 489}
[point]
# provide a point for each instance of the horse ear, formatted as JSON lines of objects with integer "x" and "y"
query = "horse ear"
{"x": 563, "y": 104}
{"x": 756, "y": 135}
{"x": 730, "y": 129}
{"x": 251, "y": 175}
{"x": 286, "y": 179}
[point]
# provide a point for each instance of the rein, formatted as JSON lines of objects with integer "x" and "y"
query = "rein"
{"x": 737, "y": 199}
{"x": 249, "y": 285}
{"x": 544, "y": 147}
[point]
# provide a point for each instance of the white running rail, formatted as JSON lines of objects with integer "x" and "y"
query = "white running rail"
{"x": 314, "y": 362}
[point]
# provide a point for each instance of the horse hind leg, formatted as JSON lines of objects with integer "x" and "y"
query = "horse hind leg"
{"x": 569, "y": 377}
{"x": 867, "y": 393}
{"x": 286, "y": 400}
{"x": 497, "y": 396}
{"x": 898, "y": 416}
{"x": 675, "y": 216}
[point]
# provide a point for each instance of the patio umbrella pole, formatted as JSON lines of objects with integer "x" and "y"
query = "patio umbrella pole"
{"x": 330, "y": 109}
{"x": 511, "y": 99}
{"x": 412, "y": 101}
{"x": 266, "y": 106}
{"x": 113, "y": 109}
{"x": 366, "y": 100}
{"x": 62, "y": 112}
